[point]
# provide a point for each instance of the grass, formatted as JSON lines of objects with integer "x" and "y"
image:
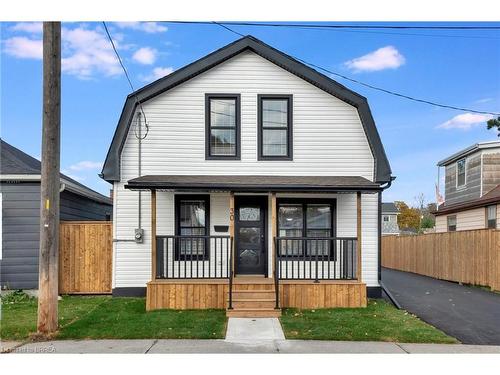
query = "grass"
{"x": 98, "y": 317}
{"x": 119, "y": 318}
{"x": 380, "y": 321}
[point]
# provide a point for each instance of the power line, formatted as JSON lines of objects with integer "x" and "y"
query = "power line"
{"x": 305, "y": 25}
{"x": 424, "y": 101}
{"x": 334, "y": 29}
{"x": 128, "y": 79}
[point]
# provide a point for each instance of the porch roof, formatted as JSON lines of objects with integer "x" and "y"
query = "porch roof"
{"x": 253, "y": 183}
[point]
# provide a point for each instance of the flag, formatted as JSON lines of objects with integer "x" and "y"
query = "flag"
{"x": 439, "y": 197}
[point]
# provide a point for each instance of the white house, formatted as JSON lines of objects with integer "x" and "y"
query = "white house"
{"x": 248, "y": 181}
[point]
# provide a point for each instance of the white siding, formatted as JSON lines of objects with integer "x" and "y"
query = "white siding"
{"x": 133, "y": 261}
{"x": 466, "y": 220}
{"x": 328, "y": 138}
{"x": 441, "y": 224}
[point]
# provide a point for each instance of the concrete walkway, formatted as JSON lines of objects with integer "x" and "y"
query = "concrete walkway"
{"x": 254, "y": 330}
{"x": 224, "y": 346}
{"x": 472, "y": 315}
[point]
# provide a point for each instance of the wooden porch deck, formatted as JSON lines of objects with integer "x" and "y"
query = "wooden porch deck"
{"x": 253, "y": 296}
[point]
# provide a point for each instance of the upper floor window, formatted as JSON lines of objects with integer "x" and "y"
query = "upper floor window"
{"x": 275, "y": 127}
{"x": 491, "y": 217}
{"x": 222, "y": 118}
{"x": 452, "y": 223}
{"x": 461, "y": 173}
{"x": 386, "y": 218}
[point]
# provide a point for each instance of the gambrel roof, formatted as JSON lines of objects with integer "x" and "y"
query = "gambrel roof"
{"x": 111, "y": 168}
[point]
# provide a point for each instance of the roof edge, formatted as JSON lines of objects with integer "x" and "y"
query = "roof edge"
{"x": 111, "y": 167}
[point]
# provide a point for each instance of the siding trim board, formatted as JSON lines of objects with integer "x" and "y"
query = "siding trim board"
{"x": 111, "y": 169}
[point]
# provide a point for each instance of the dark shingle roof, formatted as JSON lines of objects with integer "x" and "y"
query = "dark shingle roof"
{"x": 389, "y": 207}
{"x": 111, "y": 167}
{"x": 492, "y": 197}
{"x": 13, "y": 161}
{"x": 253, "y": 183}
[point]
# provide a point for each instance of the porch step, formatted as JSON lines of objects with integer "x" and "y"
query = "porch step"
{"x": 254, "y": 313}
{"x": 259, "y": 294}
{"x": 251, "y": 303}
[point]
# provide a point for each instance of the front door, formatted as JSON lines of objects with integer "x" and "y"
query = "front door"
{"x": 250, "y": 235}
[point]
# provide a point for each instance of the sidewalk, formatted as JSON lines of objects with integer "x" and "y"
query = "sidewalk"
{"x": 251, "y": 346}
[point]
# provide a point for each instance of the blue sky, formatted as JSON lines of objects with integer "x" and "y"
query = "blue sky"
{"x": 460, "y": 68}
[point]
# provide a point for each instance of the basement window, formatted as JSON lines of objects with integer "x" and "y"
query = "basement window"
{"x": 491, "y": 217}
{"x": 452, "y": 223}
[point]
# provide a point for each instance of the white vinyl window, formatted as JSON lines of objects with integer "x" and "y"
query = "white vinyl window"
{"x": 386, "y": 218}
{"x": 452, "y": 223}
{"x": 491, "y": 217}
{"x": 461, "y": 173}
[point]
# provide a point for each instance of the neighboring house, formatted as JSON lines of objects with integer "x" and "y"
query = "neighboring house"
{"x": 389, "y": 219}
{"x": 249, "y": 147}
{"x": 472, "y": 189}
{"x": 20, "y": 214}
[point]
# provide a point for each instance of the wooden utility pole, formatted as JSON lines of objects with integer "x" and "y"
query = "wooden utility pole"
{"x": 50, "y": 180}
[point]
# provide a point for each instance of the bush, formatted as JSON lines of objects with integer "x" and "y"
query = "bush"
{"x": 16, "y": 296}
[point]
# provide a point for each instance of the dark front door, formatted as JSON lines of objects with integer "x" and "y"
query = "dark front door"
{"x": 250, "y": 235}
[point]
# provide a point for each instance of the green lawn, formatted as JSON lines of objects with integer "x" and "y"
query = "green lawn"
{"x": 106, "y": 317}
{"x": 98, "y": 317}
{"x": 380, "y": 321}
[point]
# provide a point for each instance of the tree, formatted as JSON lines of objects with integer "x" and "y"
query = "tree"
{"x": 494, "y": 123}
{"x": 408, "y": 218}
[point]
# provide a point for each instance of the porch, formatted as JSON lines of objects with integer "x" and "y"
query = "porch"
{"x": 253, "y": 250}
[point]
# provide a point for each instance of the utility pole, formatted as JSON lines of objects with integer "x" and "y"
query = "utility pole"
{"x": 50, "y": 180}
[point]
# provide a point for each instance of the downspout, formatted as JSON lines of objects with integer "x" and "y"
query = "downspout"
{"x": 379, "y": 229}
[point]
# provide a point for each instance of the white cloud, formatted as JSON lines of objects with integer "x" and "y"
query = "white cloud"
{"x": 145, "y": 55}
{"x": 483, "y": 100}
{"x": 464, "y": 121}
{"x": 148, "y": 27}
{"x": 384, "y": 58}
{"x": 28, "y": 27}
{"x": 87, "y": 51}
{"x": 86, "y": 165}
{"x": 157, "y": 73}
{"x": 24, "y": 48}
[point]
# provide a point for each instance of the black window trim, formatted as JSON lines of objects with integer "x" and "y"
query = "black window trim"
{"x": 237, "y": 155}
{"x": 304, "y": 202}
{"x": 260, "y": 155}
{"x": 177, "y": 200}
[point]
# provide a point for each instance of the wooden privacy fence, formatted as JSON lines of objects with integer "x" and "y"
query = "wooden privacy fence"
{"x": 471, "y": 257}
{"x": 85, "y": 257}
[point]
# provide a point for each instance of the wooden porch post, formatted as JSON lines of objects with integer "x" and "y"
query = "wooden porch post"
{"x": 273, "y": 229}
{"x": 358, "y": 236}
{"x": 153, "y": 234}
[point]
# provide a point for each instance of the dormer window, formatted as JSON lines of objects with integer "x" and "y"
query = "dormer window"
{"x": 461, "y": 173}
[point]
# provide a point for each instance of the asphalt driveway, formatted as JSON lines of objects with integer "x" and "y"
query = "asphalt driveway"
{"x": 472, "y": 315}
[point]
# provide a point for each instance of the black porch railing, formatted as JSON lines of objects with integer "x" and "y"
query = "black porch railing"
{"x": 316, "y": 258}
{"x": 193, "y": 257}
